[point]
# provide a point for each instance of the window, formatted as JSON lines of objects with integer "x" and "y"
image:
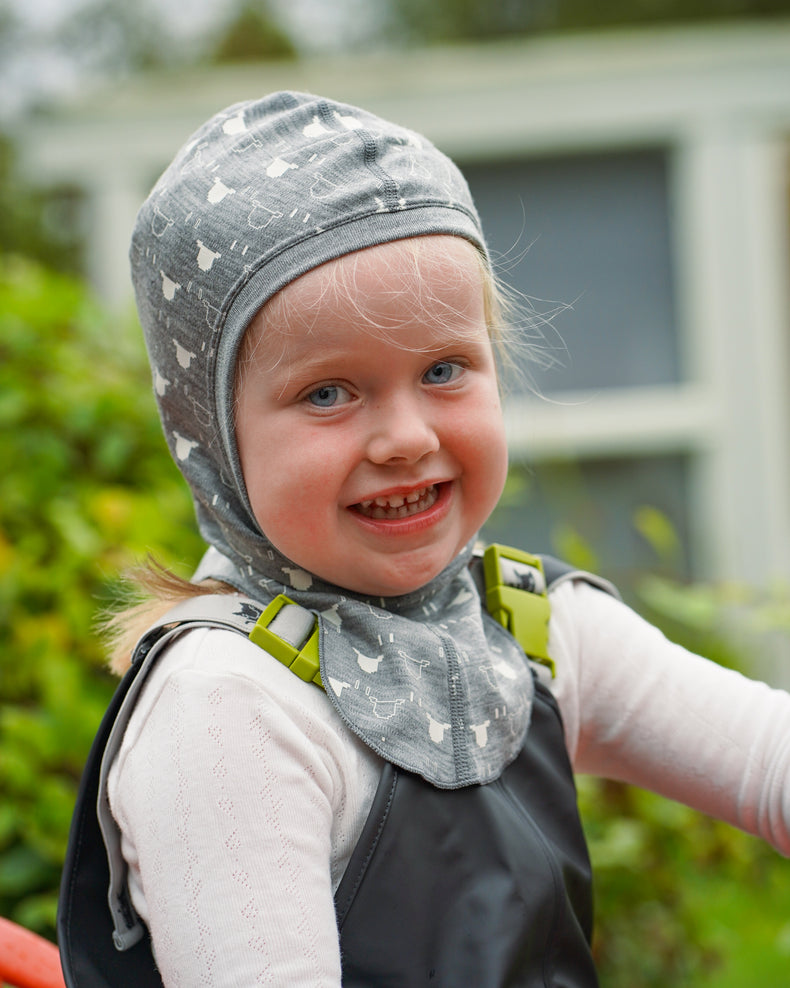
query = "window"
{"x": 595, "y": 229}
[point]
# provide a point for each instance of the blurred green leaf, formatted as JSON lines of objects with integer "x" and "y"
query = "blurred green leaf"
{"x": 575, "y": 549}
{"x": 658, "y": 531}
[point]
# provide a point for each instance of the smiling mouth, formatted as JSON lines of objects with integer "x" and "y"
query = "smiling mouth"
{"x": 399, "y": 505}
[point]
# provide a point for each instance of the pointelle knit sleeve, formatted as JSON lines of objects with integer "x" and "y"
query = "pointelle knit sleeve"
{"x": 238, "y": 795}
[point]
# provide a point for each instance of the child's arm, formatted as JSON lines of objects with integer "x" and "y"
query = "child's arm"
{"x": 227, "y": 792}
{"x": 640, "y": 709}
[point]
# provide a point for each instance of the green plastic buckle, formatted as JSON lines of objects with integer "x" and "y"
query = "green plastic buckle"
{"x": 523, "y": 610}
{"x": 303, "y": 661}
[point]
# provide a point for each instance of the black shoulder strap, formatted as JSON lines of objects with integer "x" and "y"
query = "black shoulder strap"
{"x": 85, "y": 926}
{"x": 558, "y": 572}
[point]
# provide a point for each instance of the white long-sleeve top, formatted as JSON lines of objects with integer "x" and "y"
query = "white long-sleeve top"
{"x": 240, "y": 794}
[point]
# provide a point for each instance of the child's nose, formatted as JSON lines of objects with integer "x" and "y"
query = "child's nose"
{"x": 401, "y": 431}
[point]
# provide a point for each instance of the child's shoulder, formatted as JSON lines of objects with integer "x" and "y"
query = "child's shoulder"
{"x": 215, "y": 660}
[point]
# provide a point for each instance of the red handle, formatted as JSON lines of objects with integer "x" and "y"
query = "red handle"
{"x": 28, "y": 960}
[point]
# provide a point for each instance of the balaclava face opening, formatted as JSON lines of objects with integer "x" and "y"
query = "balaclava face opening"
{"x": 262, "y": 193}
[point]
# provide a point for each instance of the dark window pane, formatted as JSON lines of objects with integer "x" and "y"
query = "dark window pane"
{"x": 599, "y": 233}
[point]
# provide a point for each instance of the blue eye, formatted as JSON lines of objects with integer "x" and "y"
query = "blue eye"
{"x": 442, "y": 372}
{"x": 328, "y": 396}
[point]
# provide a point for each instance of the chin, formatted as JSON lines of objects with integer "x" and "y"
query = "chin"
{"x": 416, "y": 574}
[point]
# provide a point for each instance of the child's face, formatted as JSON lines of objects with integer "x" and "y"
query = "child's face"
{"x": 368, "y": 417}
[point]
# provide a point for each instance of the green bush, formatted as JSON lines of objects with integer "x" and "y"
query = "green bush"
{"x": 86, "y": 489}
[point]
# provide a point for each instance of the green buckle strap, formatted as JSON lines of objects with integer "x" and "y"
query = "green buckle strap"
{"x": 289, "y": 632}
{"x": 516, "y": 597}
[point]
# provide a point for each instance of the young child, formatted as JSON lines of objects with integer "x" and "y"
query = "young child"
{"x": 324, "y": 331}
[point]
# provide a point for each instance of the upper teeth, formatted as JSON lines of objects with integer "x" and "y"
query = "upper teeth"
{"x": 396, "y": 500}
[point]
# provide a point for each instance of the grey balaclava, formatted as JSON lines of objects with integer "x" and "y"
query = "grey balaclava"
{"x": 263, "y": 192}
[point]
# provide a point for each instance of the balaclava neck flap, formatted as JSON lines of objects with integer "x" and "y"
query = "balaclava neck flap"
{"x": 263, "y": 192}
